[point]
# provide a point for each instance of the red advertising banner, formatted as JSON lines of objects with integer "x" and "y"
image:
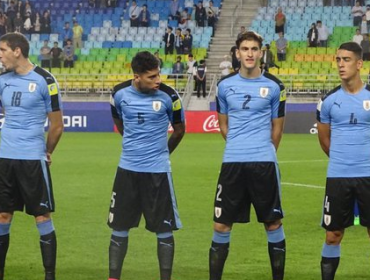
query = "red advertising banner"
{"x": 201, "y": 122}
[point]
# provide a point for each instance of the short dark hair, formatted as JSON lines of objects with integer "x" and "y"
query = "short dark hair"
{"x": 144, "y": 62}
{"x": 319, "y": 21}
{"x": 352, "y": 47}
{"x": 250, "y": 36}
{"x": 190, "y": 55}
{"x": 17, "y": 40}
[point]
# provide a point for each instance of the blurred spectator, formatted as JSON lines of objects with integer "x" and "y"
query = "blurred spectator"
{"x": 27, "y": 10}
{"x": 10, "y": 14}
{"x": 156, "y": 54}
{"x": 77, "y": 35}
{"x": 280, "y": 20}
{"x": 27, "y": 25}
{"x": 111, "y": 3}
{"x": 234, "y": 60}
{"x": 363, "y": 25}
{"x": 36, "y": 23}
{"x": 268, "y": 58}
{"x": 56, "y": 55}
{"x": 45, "y": 55}
{"x": 190, "y": 68}
{"x": 225, "y": 66}
{"x": 103, "y": 3}
{"x": 365, "y": 44}
{"x": 169, "y": 39}
{"x": 200, "y": 14}
{"x": 69, "y": 53}
{"x": 2, "y": 24}
{"x": 134, "y": 12}
{"x": 67, "y": 33}
{"x": 187, "y": 44}
{"x": 357, "y": 37}
{"x": 312, "y": 36}
{"x": 242, "y": 31}
{"x": 19, "y": 7}
{"x": 18, "y": 23}
{"x": 193, "y": 11}
{"x": 212, "y": 15}
{"x": 281, "y": 45}
{"x": 92, "y": 3}
{"x": 45, "y": 23}
{"x": 178, "y": 67}
{"x": 144, "y": 17}
{"x": 179, "y": 38}
{"x": 174, "y": 8}
{"x": 9, "y": 24}
{"x": 323, "y": 34}
{"x": 367, "y": 13}
{"x": 264, "y": 3}
{"x": 201, "y": 73}
{"x": 183, "y": 21}
{"x": 357, "y": 14}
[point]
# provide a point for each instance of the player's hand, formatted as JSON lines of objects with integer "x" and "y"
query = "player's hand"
{"x": 48, "y": 158}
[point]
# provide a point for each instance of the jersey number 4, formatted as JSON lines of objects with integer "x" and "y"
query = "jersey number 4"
{"x": 16, "y": 98}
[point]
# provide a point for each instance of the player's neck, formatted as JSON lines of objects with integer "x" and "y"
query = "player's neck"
{"x": 353, "y": 86}
{"x": 250, "y": 73}
{"x": 24, "y": 67}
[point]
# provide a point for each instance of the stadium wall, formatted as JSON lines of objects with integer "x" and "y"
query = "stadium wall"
{"x": 96, "y": 117}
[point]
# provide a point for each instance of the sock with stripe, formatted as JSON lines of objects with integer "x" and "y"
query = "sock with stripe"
{"x": 165, "y": 252}
{"x": 4, "y": 245}
{"x": 329, "y": 261}
{"x": 117, "y": 253}
{"x": 218, "y": 254}
{"x": 48, "y": 246}
{"x": 277, "y": 251}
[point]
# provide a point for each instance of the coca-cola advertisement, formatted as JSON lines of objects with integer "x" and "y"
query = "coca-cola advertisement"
{"x": 202, "y": 122}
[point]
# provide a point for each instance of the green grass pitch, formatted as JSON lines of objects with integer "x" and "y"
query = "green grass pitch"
{"x": 83, "y": 171}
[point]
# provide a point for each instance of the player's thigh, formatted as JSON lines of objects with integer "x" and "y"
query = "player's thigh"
{"x": 159, "y": 202}
{"x": 10, "y": 196}
{"x": 362, "y": 194}
{"x": 339, "y": 203}
{"x": 35, "y": 185}
{"x": 231, "y": 203}
{"x": 125, "y": 209}
{"x": 265, "y": 190}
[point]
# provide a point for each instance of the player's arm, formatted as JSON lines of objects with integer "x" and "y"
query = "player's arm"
{"x": 176, "y": 136}
{"x": 324, "y": 136}
{"x": 55, "y": 132}
{"x": 119, "y": 124}
{"x": 223, "y": 123}
{"x": 277, "y": 131}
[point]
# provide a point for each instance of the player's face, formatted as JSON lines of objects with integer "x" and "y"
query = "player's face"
{"x": 249, "y": 54}
{"x": 348, "y": 64}
{"x": 148, "y": 82}
{"x": 8, "y": 56}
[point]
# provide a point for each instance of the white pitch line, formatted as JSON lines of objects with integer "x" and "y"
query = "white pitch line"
{"x": 302, "y": 161}
{"x": 303, "y": 185}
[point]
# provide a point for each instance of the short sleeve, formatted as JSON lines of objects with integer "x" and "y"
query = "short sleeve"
{"x": 221, "y": 102}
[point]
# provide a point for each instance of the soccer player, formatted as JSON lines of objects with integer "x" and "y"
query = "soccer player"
{"x": 251, "y": 110}
{"x": 29, "y": 95}
{"x": 142, "y": 109}
{"x": 344, "y": 131}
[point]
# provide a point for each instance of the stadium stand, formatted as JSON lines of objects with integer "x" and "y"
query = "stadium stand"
{"x": 109, "y": 43}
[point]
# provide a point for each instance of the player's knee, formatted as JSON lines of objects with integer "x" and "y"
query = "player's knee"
{"x": 6, "y": 218}
{"x": 334, "y": 237}
{"x": 274, "y": 225}
{"x": 43, "y": 218}
{"x": 222, "y": 227}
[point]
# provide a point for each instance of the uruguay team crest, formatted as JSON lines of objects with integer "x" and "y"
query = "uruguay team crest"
{"x": 157, "y": 105}
{"x": 264, "y": 92}
{"x": 31, "y": 87}
{"x": 218, "y": 212}
{"x": 327, "y": 219}
{"x": 366, "y": 104}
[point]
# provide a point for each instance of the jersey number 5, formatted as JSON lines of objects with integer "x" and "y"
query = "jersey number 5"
{"x": 16, "y": 98}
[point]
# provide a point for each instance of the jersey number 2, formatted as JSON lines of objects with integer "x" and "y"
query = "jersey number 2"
{"x": 247, "y": 100}
{"x": 16, "y": 98}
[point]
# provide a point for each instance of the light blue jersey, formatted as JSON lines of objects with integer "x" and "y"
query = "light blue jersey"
{"x": 250, "y": 105}
{"x": 27, "y": 100}
{"x": 146, "y": 118}
{"x": 349, "y": 118}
